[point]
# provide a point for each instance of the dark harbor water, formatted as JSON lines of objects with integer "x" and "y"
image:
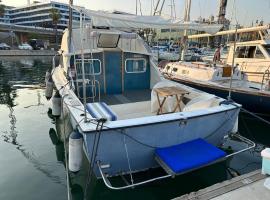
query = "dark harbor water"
{"x": 32, "y": 162}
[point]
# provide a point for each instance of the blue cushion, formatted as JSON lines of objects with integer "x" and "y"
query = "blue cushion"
{"x": 189, "y": 155}
{"x": 101, "y": 110}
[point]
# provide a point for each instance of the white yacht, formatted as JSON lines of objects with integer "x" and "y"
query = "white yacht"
{"x": 217, "y": 78}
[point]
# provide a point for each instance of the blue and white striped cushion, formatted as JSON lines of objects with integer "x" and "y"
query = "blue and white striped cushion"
{"x": 101, "y": 110}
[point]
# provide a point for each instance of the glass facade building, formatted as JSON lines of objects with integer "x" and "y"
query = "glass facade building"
{"x": 38, "y": 15}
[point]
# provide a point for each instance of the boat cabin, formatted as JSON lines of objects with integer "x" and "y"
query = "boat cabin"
{"x": 119, "y": 71}
{"x": 114, "y": 63}
{"x": 253, "y": 58}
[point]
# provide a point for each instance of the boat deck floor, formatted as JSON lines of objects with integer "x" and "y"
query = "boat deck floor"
{"x": 126, "y": 97}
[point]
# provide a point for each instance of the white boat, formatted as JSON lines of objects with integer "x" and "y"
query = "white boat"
{"x": 253, "y": 57}
{"x": 163, "y": 53}
{"x": 216, "y": 79}
{"x": 109, "y": 83}
{"x": 252, "y": 51}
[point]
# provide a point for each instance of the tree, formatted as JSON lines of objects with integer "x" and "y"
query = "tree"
{"x": 55, "y": 16}
{"x": 2, "y": 10}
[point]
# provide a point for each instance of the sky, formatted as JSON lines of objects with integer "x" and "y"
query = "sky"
{"x": 244, "y": 11}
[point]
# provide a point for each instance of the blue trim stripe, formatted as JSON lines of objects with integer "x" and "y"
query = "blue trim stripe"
{"x": 109, "y": 111}
{"x": 90, "y": 110}
{"x": 101, "y": 110}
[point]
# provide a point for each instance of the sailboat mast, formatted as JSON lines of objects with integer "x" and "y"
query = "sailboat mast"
{"x": 136, "y": 7}
{"x": 156, "y": 7}
{"x": 234, "y": 47}
{"x": 186, "y": 19}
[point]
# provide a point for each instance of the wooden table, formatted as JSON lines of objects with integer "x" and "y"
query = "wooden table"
{"x": 166, "y": 92}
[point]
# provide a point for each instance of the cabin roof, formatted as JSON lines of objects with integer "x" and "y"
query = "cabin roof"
{"x": 249, "y": 43}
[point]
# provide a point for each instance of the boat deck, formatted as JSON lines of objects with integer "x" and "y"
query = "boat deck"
{"x": 127, "y": 97}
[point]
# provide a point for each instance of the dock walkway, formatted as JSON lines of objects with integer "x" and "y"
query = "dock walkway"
{"x": 248, "y": 186}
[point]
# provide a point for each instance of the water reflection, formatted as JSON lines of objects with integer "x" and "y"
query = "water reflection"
{"x": 24, "y": 77}
{"x": 59, "y": 146}
{"x": 24, "y": 70}
{"x": 13, "y": 77}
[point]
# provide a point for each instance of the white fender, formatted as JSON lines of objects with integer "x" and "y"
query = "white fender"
{"x": 56, "y": 104}
{"x": 75, "y": 151}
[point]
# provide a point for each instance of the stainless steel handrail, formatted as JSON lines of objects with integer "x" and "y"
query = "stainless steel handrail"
{"x": 109, "y": 185}
{"x": 245, "y": 140}
{"x": 266, "y": 72}
{"x": 107, "y": 182}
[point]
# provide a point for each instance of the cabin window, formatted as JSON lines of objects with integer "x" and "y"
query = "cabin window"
{"x": 267, "y": 48}
{"x": 240, "y": 52}
{"x": 91, "y": 66}
{"x": 246, "y": 52}
{"x": 107, "y": 40}
{"x": 259, "y": 54}
{"x": 250, "y": 52}
{"x": 135, "y": 65}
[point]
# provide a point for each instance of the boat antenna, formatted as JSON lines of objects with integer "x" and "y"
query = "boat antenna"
{"x": 186, "y": 19}
{"x": 70, "y": 24}
{"x": 82, "y": 59}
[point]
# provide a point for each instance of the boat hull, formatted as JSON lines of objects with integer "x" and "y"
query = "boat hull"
{"x": 136, "y": 145}
{"x": 255, "y": 102}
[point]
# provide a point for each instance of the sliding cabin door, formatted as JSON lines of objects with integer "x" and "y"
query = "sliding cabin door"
{"x": 113, "y": 72}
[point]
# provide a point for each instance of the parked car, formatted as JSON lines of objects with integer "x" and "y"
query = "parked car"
{"x": 25, "y": 46}
{"x": 4, "y": 46}
{"x": 36, "y": 44}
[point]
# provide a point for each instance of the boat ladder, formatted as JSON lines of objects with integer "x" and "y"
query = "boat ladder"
{"x": 92, "y": 85}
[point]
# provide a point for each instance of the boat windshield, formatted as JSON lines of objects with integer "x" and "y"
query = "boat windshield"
{"x": 267, "y": 48}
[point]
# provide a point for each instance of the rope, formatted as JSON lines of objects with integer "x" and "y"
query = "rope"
{"x": 246, "y": 128}
{"x": 256, "y": 116}
{"x": 94, "y": 154}
{"x": 65, "y": 146}
{"x": 129, "y": 166}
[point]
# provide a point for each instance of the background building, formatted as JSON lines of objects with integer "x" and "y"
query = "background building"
{"x": 38, "y": 15}
{"x": 6, "y": 17}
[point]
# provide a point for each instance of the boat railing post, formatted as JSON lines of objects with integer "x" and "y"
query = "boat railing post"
{"x": 83, "y": 72}
{"x": 234, "y": 47}
{"x": 266, "y": 73}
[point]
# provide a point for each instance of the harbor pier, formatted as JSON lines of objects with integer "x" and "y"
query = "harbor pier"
{"x": 248, "y": 186}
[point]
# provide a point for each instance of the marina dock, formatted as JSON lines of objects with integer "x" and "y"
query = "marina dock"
{"x": 249, "y": 186}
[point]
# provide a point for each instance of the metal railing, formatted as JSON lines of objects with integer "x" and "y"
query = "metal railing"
{"x": 266, "y": 76}
{"x": 107, "y": 182}
{"x": 90, "y": 79}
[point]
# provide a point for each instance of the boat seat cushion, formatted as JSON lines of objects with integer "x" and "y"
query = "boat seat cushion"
{"x": 101, "y": 110}
{"x": 189, "y": 156}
